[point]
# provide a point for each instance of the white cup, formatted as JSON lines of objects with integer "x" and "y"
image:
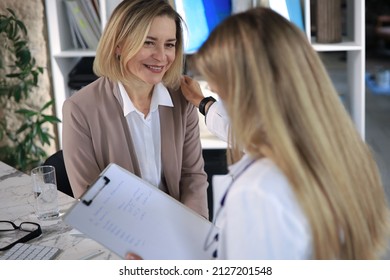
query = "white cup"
{"x": 45, "y": 192}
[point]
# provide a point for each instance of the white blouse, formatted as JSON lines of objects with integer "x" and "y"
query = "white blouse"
{"x": 145, "y": 132}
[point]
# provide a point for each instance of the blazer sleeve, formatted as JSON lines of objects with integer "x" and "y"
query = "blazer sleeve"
{"x": 79, "y": 158}
{"x": 193, "y": 182}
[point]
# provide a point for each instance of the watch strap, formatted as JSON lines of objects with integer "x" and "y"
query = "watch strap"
{"x": 203, "y": 103}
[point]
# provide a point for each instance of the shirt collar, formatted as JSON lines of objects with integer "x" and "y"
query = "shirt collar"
{"x": 160, "y": 96}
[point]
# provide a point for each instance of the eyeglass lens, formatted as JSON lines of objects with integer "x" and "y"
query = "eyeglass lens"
{"x": 25, "y": 226}
{"x": 6, "y": 225}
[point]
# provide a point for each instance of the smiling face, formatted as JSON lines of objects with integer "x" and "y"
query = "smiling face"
{"x": 158, "y": 52}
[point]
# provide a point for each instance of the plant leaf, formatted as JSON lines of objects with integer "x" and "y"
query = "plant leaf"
{"x": 51, "y": 119}
{"x": 21, "y": 26}
{"x": 26, "y": 112}
{"x": 49, "y": 103}
{"x": 22, "y": 128}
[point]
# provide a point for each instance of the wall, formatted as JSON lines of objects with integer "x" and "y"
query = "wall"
{"x": 33, "y": 15}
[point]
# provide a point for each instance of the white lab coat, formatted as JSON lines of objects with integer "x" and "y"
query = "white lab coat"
{"x": 217, "y": 121}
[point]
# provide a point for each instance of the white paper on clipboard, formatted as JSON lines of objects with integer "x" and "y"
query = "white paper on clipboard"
{"x": 126, "y": 214}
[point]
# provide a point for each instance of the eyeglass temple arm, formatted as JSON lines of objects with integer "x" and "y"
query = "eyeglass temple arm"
{"x": 24, "y": 239}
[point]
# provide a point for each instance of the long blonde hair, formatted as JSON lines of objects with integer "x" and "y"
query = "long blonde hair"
{"x": 128, "y": 27}
{"x": 283, "y": 105}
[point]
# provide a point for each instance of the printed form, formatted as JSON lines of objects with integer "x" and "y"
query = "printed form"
{"x": 128, "y": 215}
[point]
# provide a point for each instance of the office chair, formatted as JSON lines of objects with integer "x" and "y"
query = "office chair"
{"x": 57, "y": 160}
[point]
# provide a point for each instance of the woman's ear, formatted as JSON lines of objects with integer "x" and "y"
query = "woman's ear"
{"x": 118, "y": 52}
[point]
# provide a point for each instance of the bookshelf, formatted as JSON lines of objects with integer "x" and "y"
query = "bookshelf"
{"x": 63, "y": 57}
{"x": 353, "y": 44}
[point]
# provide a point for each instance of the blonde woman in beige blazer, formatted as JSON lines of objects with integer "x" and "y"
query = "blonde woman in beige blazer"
{"x": 139, "y": 60}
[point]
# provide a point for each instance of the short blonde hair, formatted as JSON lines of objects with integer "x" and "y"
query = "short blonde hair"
{"x": 128, "y": 27}
{"x": 282, "y": 105}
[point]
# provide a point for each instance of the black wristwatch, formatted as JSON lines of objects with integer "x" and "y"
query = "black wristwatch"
{"x": 203, "y": 103}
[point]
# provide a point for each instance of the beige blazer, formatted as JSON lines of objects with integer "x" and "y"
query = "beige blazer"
{"x": 95, "y": 133}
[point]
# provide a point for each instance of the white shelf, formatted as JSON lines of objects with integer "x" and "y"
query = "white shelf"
{"x": 342, "y": 46}
{"x": 75, "y": 53}
{"x": 212, "y": 144}
{"x": 63, "y": 57}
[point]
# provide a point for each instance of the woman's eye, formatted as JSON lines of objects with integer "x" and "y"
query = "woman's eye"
{"x": 149, "y": 43}
{"x": 170, "y": 45}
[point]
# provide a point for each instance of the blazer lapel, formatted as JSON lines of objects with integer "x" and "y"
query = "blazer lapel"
{"x": 169, "y": 159}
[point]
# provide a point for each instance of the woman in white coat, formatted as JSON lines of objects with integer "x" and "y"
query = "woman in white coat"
{"x": 307, "y": 186}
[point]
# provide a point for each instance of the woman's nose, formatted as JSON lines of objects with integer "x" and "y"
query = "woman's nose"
{"x": 159, "y": 53}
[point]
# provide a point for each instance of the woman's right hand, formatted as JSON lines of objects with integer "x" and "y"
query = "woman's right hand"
{"x": 191, "y": 90}
{"x": 132, "y": 256}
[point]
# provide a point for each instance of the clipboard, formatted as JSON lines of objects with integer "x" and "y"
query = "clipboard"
{"x": 128, "y": 215}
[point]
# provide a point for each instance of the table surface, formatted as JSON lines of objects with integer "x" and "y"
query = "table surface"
{"x": 16, "y": 204}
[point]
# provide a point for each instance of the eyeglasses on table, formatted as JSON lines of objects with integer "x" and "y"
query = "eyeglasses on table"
{"x": 34, "y": 230}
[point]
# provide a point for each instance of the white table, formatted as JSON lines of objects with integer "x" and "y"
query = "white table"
{"x": 16, "y": 205}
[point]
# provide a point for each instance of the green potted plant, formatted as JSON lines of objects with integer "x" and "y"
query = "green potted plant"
{"x": 23, "y": 127}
